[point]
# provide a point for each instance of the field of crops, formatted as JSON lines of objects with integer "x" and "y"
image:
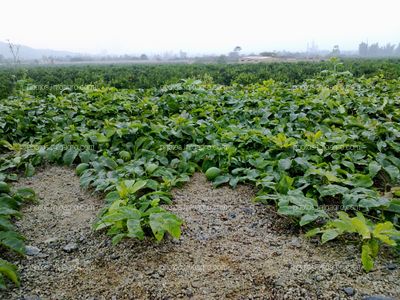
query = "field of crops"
{"x": 324, "y": 151}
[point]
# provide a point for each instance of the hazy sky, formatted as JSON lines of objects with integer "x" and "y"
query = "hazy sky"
{"x": 206, "y": 26}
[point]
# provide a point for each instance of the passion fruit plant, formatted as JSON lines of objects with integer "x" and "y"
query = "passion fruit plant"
{"x": 10, "y": 239}
{"x": 329, "y": 144}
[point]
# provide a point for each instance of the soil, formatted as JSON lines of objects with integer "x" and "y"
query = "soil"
{"x": 230, "y": 248}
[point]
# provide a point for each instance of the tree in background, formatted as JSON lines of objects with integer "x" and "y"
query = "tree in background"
{"x": 235, "y": 53}
{"x": 335, "y": 51}
{"x": 14, "y": 49}
{"x": 374, "y": 50}
{"x": 397, "y": 51}
{"x": 363, "y": 49}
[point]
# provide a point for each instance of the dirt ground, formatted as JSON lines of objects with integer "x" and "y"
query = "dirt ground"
{"x": 230, "y": 248}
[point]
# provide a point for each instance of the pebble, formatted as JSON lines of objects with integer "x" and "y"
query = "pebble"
{"x": 377, "y": 297}
{"x": 248, "y": 210}
{"x": 31, "y": 298}
{"x": 32, "y": 250}
{"x": 275, "y": 243}
{"x": 114, "y": 256}
{"x": 391, "y": 266}
{"x": 279, "y": 282}
{"x": 189, "y": 292}
{"x": 196, "y": 284}
{"x": 295, "y": 243}
{"x": 70, "y": 247}
{"x": 50, "y": 240}
{"x": 277, "y": 253}
{"x": 149, "y": 272}
{"x": 349, "y": 291}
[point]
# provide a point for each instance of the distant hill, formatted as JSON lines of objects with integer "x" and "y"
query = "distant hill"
{"x": 28, "y": 53}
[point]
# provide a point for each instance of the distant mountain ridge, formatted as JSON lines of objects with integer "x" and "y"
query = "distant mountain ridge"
{"x": 28, "y": 53}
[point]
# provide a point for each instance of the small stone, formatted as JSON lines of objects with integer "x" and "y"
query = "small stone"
{"x": 391, "y": 266}
{"x": 114, "y": 256}
{"x": 349, "y": 291}
{"x": 275, "y": 243}
{"x": 196, "y": 284}
{"x": 277, "y": 253}
{"x": 189, "y": 292}
{"x": 31, "y": 297}
{"x": 377, "y": 297}
{"x": 248, "y": 210}
{"x": 319, "y": 278}
{"x": 149, "y": 272}
{"x": 279, "y": 282}
{"x": 50, "y": 240}
{"x": 32, "y": 250}
{"x": 295, "y": 243}
{"x": 254, "y": 225}
{"x": 70, "y": 247}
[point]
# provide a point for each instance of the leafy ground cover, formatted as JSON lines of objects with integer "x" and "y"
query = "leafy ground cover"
{"x": 325, "y": 151}
{"x": 54, "y": 79}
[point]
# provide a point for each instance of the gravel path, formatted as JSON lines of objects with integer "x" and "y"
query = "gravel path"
{"x": 230, "y": 249}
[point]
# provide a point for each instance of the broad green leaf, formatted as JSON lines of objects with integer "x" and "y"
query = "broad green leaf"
{"x": 393, "y": 172}
{"x": 332, "y": 190}
{"x": 70, "y": 155}
{"x": 313, "y": 232}
{"x": 27, "y": 194}
{"x": 285, "y": 184}
{"x": 329, "y": 235}
{"x": 306, "y": 219}
{"x": 374, "y": 247}
{"x": 134, "y": 228}
{"x": 394, "y": 206}
{"x": 137, "y": 186}
{"x": 163, "y": 222}
{"x": 291, "y": 210}
{"x": 5, "y": 211}
{"x": 13, "y": 241}
{"x": 5, "y": 223}
{"x": 111, "y": 197}
{"x": 361, "y": 228}
{"x": 366, "y": 257}
{"x": 284, "y": 164}
{"x": 360, "y": 180}
{"x": 101, "y": 138}
{"x": 29, "y": 170}
{"x": 117, "y": 238}
{"x": 221, "y": 179}
{"x": 374, "y": 168}
{"x": 383, "y": 232}
{"x": 10, "y": 271}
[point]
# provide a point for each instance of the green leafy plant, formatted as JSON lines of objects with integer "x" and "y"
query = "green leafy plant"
{"x": 10, "y": 239}
{"x": 370, "y": 234}
{"x": 130, "y": 217}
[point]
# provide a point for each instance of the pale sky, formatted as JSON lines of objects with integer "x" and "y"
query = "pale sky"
{"x": 206, "y": 26}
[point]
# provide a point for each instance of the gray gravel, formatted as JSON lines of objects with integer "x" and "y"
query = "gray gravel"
{"x": 230, "y": 249}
